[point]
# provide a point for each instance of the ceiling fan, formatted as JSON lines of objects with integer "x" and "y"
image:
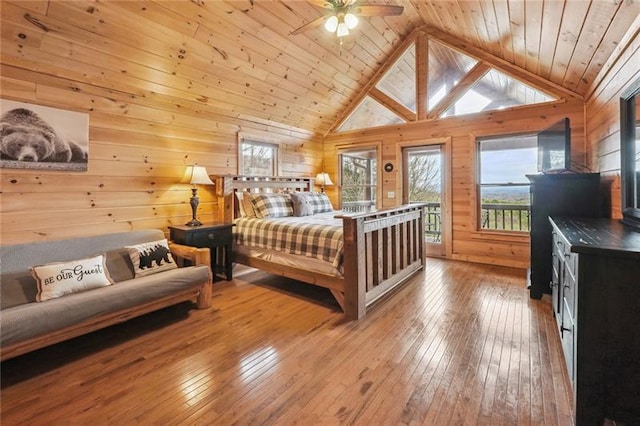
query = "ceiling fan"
{"x": 340, "y": 16}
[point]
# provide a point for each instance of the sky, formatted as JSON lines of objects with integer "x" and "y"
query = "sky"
{"x": 508, "y": 166}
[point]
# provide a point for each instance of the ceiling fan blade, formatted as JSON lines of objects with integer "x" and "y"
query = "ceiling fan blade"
{"x": 320, "y": 3}
{"x": 378, "y": 10}
{"x": 311, "y": 24}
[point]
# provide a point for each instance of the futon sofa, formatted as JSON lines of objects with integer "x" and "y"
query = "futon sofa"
{"x": 119, "y": 286}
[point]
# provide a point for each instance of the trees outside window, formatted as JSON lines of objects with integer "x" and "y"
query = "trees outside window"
{"x": 257, "y": 158}
{"x": 358, "y": 180}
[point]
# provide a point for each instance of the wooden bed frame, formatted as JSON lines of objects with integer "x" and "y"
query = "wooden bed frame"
{"x": 382, "y": 249}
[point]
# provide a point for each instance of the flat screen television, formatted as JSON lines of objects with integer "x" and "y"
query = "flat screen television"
{"x": 554, "y": 147}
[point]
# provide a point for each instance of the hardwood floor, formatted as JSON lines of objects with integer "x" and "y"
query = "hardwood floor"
{"x": 460, "y": 344}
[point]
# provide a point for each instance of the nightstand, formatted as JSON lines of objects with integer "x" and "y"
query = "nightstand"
{"x": 216, "y": 236}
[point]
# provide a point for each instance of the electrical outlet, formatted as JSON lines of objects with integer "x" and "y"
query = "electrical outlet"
{"x": 391, "y": 194}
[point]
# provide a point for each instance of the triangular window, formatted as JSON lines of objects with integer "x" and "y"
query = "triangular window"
{"x": 454, "y": 83}
{"x": 368, "y": 114}
{"x": 446, "y": 68}
{"x": 496, "y": 90}
{"x": 399, "y": 82}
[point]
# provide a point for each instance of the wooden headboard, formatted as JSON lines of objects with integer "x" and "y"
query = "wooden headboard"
{"x": 226, "y": 186}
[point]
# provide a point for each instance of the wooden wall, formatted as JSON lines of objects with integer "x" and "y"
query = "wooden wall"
{"x": 142, "y": 135}
{"x": 466, "y": 242}
{"x": 602, "y": 111}
{"x": 143, "y": 132}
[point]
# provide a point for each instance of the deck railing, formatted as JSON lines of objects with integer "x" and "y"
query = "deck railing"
{"x": 493, "y": 216}
{"x": 358, "y": 206}
{"x": 507, "y": 217}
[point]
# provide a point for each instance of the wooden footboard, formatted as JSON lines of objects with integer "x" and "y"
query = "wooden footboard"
{"x": 381, "y": 250}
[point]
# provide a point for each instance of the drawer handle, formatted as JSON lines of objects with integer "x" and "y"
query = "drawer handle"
{"x": 211, "y": 236}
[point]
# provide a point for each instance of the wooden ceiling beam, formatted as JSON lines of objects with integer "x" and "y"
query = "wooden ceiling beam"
{"x": 357, "y": 100}
{"x": 470, "y": 78}
{"x": 422, "y": 77}
{"x": 392, "y": 104}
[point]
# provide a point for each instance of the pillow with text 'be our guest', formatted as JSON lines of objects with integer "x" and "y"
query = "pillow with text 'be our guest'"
{"x": 60, "y": 278}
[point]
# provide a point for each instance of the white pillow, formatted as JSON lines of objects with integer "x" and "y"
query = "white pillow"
{"x": 150, "y": 258}
{"x": 60, "y": 278}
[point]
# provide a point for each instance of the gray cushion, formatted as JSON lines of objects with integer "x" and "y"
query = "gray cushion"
{"x": 33, "y": 319}
{"x": 17, "y": 286}
{"x": 119, "y": 265}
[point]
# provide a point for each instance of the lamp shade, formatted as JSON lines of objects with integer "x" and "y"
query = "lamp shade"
{"x": 196, "y": 175}
{"x": 323, "y": 179}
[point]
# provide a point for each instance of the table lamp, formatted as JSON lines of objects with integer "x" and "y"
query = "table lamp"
{"x": 195, "y": 175}
{"x": 323, "y": 180}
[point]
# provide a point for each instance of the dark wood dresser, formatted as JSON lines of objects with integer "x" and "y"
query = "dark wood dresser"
{"x": 596, "y": 302}
{"x": 563, "y": 194}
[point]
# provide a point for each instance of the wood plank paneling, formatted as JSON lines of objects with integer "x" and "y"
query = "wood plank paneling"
{"x": 168, "y": 83}
{"x": 467, "y": 243}
{"x": 602, "y": 111}
{"x": 150, "y": 115}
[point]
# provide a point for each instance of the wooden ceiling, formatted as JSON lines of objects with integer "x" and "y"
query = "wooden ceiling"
{"x": 238, "y": 58}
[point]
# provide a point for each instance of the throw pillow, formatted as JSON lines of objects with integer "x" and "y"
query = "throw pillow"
{"x": 151, "y": 258}
{"x": 239, "y": 198}
{"x": 60, "y": 278}
{"x": 272, "y": 205}
{"x": 119, "y": 265}
{"x": 249, "y": 211}
{"x": 320, "y": 202}
{"x": 301, "y": 204}
{"x": 308, "y": 203}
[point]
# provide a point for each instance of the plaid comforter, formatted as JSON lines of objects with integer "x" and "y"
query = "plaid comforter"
{"x": 319, "y": 236}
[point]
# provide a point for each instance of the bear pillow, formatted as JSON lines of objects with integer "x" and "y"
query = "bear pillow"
{"x": 150, "y": 258}
{"x": 60, "y": 278}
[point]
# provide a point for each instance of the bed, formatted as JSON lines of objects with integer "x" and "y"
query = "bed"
{"x": 359, "y": 257}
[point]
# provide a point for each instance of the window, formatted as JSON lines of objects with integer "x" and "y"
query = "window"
{"x": 257, "y": 158}
{"x": 358, "y": 178}
{"x": 504, "y": 189}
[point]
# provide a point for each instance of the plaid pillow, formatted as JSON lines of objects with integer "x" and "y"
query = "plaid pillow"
{"x": 272, "y": 205}
{"x": 320, "y": 202}
{"x": 308, "y": 203}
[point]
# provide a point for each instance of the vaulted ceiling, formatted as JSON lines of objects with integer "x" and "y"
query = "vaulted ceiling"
{"x": 239, "y": 59}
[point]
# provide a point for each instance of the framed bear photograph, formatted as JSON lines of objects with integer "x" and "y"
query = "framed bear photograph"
{"x": 44, "y": 138}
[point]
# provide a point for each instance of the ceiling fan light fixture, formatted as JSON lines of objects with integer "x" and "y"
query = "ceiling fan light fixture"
{"x": 351, "y": 20}
{"x": 331, "y": 24}
{"x": 342, "y": 30}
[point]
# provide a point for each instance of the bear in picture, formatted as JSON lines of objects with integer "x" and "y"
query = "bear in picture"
{"x": 26, "y": 137}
